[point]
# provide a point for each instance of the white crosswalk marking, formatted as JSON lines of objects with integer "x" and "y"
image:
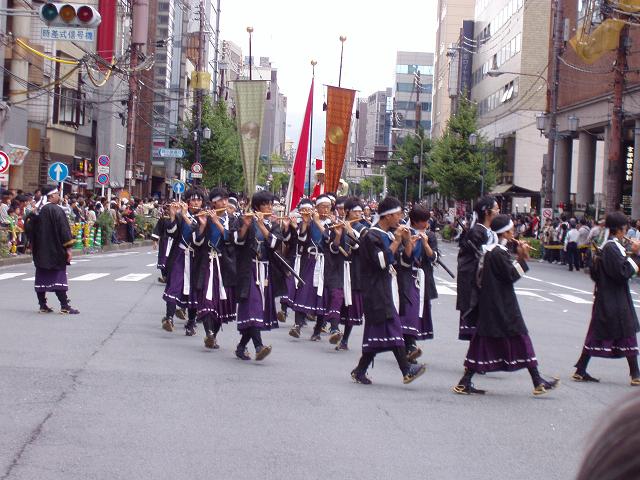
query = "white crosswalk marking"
{"x": 89, "y": 277}
{"x": 6, "y": 276}
{"x": 443, "y": 290}
{"x": 29, "y": 279}
{"x": 133, "y": 277}
{"x": 527, "y": 293}
{"x": 572, "y": 298}
{"x": 152, "y": 265}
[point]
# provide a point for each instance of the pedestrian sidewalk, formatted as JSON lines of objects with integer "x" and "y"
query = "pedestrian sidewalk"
{"x": 7, "y": 262}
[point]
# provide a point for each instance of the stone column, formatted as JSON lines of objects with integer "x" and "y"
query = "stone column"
{"x": 635, "y": 189}
{"x": 562, "y": 170}
{"x": 586, "y": 168}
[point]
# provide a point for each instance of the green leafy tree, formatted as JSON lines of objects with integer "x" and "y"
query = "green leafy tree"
{"x": 455, "y": 165}
{"x": 369, "y": 187}
{"x": 280, "y": 180}
{"x": 220, "y": 154}
{"x": 402, "y": 167}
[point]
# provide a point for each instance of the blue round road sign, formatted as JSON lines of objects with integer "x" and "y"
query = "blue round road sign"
{"x": 103, "y": 161}
{"x": 178, "y": 188}
{"x": 58, "y": 171}
{"x": 103, "y": 179}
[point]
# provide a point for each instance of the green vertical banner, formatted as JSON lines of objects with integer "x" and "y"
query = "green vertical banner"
{"x": 250, "y": 97}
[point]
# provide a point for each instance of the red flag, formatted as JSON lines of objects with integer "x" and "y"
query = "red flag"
{"x": 300, "y": 164}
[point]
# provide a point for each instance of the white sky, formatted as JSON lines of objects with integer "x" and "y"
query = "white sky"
{"x": 293, "y": 32}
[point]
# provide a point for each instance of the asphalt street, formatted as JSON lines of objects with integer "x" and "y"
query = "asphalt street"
{"x": 108, "y": 394}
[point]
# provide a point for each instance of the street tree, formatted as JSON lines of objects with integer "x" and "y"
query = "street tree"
{"x": 403, "y": 169}
{"x": 220, "y": 154}
{"x": 455, "y": 165}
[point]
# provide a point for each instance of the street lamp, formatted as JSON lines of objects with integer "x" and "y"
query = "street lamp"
{"x": 421, "y": 137}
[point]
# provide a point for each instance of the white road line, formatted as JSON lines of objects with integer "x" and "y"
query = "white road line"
{"x": 133, "y": 277}
{"x": 73, "y": 262}
{"x": 572, "y": 298}
{"x": 29, "y": 279}
{"x": 442, "y": 290}
{"x": 89, "y": 277}
{"x": 7, "y": 276}
{"x": 152, "y": 265}
{"x": 557, "y": 285}
{"x": 526, "y": 293}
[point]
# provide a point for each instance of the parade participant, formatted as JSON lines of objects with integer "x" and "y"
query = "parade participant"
{"x": 342, "y": 243}
{"x": 340, "y": 214}
{"x": 183, "y": 264}
{"x": 163, "y": 243}
{"x": 479, "y": 234}
{"x": 256, "y": 239}
{"x": 312, "y": 237}
{"x": 294, "y": 255}
{"x": 51, "y": 240}
{"x": 217, "y": 299}
{"x": 501, "y": 341}
{"x": 318, "y": 188}
{"x": 614, "y": 323}
{"x": 415, "y": 281}
{"x": 382, "y": 327}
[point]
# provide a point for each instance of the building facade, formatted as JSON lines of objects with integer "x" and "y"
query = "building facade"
{"x": 509, "y": 87}
{"x": 450, "y": 17}
{"x": 412, "y": 90}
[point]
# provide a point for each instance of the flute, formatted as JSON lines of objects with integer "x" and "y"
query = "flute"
{"x": 341, "y": 224}
{"x": 520, "y": 244}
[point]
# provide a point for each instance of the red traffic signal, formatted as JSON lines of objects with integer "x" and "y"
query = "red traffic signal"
{"x": 69, "y": 15}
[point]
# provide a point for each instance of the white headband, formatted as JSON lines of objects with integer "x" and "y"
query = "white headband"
{"x": 506, "y": 228}
{"x": 322, "y": 200}
{"x": 53, "y": 192}
{"x": 357, "y": 208}
{"x": 390, "y": 211}
{"x": 216, "y": 199}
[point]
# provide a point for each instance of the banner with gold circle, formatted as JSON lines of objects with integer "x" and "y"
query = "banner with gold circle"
{"x": 339, "y": 108}
{"x": 250, "y": 97}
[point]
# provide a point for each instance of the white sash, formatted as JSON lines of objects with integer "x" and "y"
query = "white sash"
{"x": 421, "y": 288}
{"x": 223, "y": 293}
{"x": 394, "y": 288}
{"x": 261, "y": 278}
{"x": 318, "y": 274}
{"x": 348, "y": 299}
{"x": 186, "y": 278}
{"x": 296, "y": 268}
{"x": 169, "y": 245}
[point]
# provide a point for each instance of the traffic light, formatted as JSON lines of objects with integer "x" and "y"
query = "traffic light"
{"x": 69, "y": 15}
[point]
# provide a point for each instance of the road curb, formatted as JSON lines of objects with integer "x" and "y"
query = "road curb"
{"x": 7, "y": 262}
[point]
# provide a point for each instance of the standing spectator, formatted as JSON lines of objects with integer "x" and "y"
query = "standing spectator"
{"x": 115, "y": 217}
{"x": 571, "y": 247}
{"x": 130, "y": 219}
{"x": 52, "y": 240}
{"x": 583, "y": 243}
{"x": 535, "y": 225}
{"x": 5, "y": 202}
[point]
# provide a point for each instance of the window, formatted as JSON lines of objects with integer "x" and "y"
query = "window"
{"x": 410, "y": 69}
{"x": 68, "y": 107}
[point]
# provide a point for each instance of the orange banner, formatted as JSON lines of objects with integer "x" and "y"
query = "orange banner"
{"x": 339, "y": 107}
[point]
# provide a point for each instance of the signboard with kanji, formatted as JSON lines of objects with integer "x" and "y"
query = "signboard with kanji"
{"x": 68, "y": 33}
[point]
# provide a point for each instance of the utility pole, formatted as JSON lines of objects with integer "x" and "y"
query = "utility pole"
{"x": 139, "y": 33}
{"x": 197, "y": 107}
{"x": 615, "y": 170}
{"x": 552, "y": 93}
{"x": 418, "y": 105}
{"x": 215, "y": 54}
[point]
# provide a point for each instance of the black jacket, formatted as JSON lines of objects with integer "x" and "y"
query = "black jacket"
{"x": 50, "y": 236}
{"x": 377, "y": 262}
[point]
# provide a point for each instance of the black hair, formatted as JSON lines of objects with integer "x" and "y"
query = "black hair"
{"x": 304, "y": 201}
{"x": 261, "y": 198}
{"x": 483, "y": 205}
{"x": 388, "y": 203}
{"x": 616, "y": 221}
{"x": 352, "y": 202}
{"x": 419, "y": 214}
{"x": 218, "y": 192}
{"x": 193, "y": 192}
{"x": 341, "y": 200}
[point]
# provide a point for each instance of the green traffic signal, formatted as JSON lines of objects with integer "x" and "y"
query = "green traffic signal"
{"x": 48, "y": 12}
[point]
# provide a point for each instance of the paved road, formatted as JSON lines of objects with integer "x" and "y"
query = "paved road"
{"x": 109, "y": 395}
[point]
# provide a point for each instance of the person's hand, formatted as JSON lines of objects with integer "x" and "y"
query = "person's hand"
{"x": 202, "y": 219}
{"x": 316, "y": 216}
{"x": 69, "y": 255}
{"x": 398, "y": 234}
{"x": 635, "y": 247}
{"x": 523, "y": 250}
{"x": 247, "y": 219}
{"x": 155, "y": 245}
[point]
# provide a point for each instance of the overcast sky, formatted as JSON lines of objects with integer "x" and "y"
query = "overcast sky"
{"x": 292, "y": 32}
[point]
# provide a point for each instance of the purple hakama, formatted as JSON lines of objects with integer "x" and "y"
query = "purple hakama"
{"x": 173, "y": 292}
{"x": 382, "y": 337}
{"x": 506, "y": 354}
{"x": 250, "y": 311}
{"x": 352, "y": 315}
{"x": 49, "y": 280}
{"x": 620, "y": 348}
{"x": 413, "y": 324}
{"x": 306, "y": 298}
